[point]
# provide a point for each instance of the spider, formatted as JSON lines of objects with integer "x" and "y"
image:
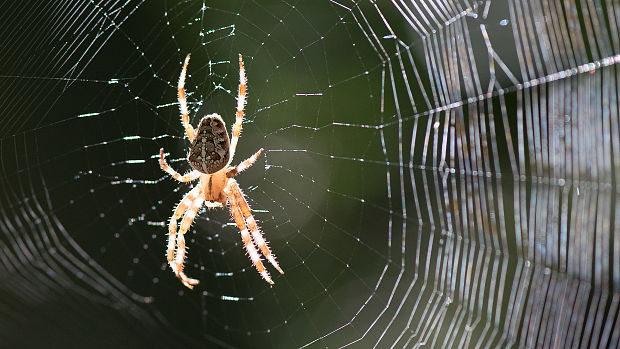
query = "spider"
{"x": 210, "y": 155}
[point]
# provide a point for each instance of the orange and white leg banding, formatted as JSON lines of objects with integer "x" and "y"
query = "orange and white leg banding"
{"x": 192, "y": 204}
{"x": 189, "y": 130}
{"x": 261, "y": 243}
{"x": 254, "y": 256}
{"x": 178, "y": 264}
{"x": 191, "y": 176}
{"x": 178, "y": 212}
{"x": 236, "y": 129}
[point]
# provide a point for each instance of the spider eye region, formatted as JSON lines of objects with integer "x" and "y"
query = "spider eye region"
{"x": 210, "y": 149}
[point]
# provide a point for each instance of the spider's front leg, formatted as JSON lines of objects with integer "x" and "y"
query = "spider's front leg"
{"x": 242, "y": 214}
{"x": 188, "y": 218}
{"x": 172, "y": 226}
{"x": 189, "y": 205}
{"x": 247, "y": 240}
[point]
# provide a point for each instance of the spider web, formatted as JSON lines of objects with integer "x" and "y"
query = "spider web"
{"x": 438, "y": 174}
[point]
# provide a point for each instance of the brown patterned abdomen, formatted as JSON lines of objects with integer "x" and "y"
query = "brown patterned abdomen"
{"x": 210, "y": 150}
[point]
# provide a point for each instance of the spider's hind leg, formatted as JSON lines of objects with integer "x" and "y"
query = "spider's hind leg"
{"x": 189, "y": 130}
{"x": 236, "y": 128}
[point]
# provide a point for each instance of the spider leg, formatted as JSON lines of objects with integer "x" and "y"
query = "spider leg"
{"x": 164, "y": 166}
{"x": 247, "y": 241}
{"x": 238, "y": 202}
{"x": 183, "y": 102}
{"x": 213, "y": 204}
{"x": 244, "y": 165}
{"x": 177, "y": 265}
{"x": 236, "y": 129}
{"x": 251, "y": 222}
{"x": 178, "y": 212}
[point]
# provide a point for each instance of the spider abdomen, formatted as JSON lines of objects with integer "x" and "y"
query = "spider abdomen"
{"x": 210, "y": 149}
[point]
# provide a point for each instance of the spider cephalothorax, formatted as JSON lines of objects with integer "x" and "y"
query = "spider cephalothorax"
{"x": 211, "y": 152}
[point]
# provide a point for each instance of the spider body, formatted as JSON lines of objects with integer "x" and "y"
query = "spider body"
{"x": 213, "y": 186}
{"x": 211, "y": 152}
{"x": 210, "y": 149}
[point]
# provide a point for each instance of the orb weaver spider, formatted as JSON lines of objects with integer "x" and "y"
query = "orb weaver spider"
{"x": 210, "y": 154}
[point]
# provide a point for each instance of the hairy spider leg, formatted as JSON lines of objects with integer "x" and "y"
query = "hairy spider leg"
{"x": 237, "y": 214}
{"x": 178, "y": 212}
{"x": 236, "y": 129}
{"x": 180, "y": 258}
{"x": 189, "y": 130}
{"x": 251, "y": 223}
{"x": 188, "y": 218}
{"x": 191, "y": 176}
{"x": 213, "y": 204}
{"x": 244, "y": 165}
